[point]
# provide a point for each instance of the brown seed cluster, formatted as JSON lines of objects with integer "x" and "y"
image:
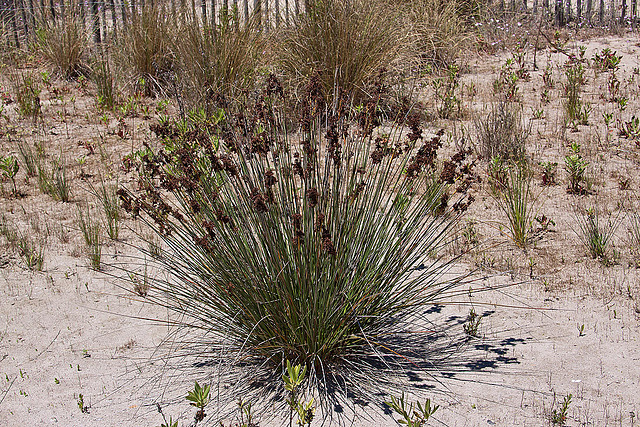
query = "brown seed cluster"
{"x": 426, "y": 156}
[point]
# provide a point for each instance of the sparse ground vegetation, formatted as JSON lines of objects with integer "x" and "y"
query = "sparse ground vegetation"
{"x": 320, "y": 206}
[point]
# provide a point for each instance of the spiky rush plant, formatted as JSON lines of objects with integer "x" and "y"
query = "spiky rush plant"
{"x": 517, "y": 199}
{"x": 319, "y": 248}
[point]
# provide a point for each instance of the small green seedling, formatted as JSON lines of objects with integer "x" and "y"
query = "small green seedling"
{"x": 412, "y": 415}
{"x": 199, "y": 397}
{"x": 83, "y": 408}
{"x": 581, "y": 330}
{"x": 9, "y": 167}
{"x": 559, "y": 417}
{"x": 293, "y": 379}
{"x": 166, "y": 423}
{"x": 169, "y": 423}
{"x": 471, "y": 325}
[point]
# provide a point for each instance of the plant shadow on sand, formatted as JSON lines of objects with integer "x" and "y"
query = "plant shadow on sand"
{"x": 436, "y": 353}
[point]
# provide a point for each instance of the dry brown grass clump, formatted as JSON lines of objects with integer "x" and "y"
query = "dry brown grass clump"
{"x": 438, "y": 31}
{"x": 146, "y": 49}
{"x": 345, "y": 42}
{"x": 63, "y": 44}
{"x": 218, "y": 60}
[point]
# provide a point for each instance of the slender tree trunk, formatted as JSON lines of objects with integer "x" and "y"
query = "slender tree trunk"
{"x": 267, "y": 21}
{"x": 589, "y": 10}
{"x": 245, "y": 4}
{"x": 623, "y": 14}
{"x": 32, "y": 16}
{"x": 83, "y": 15}
{"x": 25, "y": 24}
{"x": 560, "y": 13}
{"x": 257, "y": 12}
{"x": 53, "y": 10}
{"x": 634, "y": 13}
{"x": 95, "y": 21}
{"x": 277, "y": 10}
{"x": 14, "y": 24}
{"x": 568, "y": 13}
{"x": 43, "y": 11}
{"x": 578, "y": 9}
{"x": 613, "y": 12}
{"x": 203, "y": 5}
{"x": 535, "y": 7}
{"x": 114, "y": 18}
{"x": 103, "y": 13}
{"x": 123, "y": 12}
{"x": 601, "y": 12}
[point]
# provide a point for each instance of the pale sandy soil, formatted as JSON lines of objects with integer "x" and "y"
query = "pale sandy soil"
{"x": 68, "y": 330}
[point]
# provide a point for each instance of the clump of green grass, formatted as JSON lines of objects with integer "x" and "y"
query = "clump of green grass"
{"x": 314, "y": 249}
{"x": 575, "y": 111}
{"x": 596, "y": 233}
{"x": 29, "y": 159}
{"x": 32, "y": 252}
{"x": 106, "y": 194}
{"x": 92, "y": 234}
{"x": 28, "y": 98}
{"x": 9, "y": 167}
{"x": 517, "y": 199}
{"x": 105, "y": 84}
{"x": 53, "y": 179}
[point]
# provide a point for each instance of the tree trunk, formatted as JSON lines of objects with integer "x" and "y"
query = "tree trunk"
{"x": 14, "y": 24}
{"x": 257, "y": 12}
{"x": 25, "y": 24}
{"x": 95, "y": 21}
{"x": 578, "y": 9}
{"x": 32, "y": 16}
{"x": 123, "y": 12}
{"x": 103, "y": 13}
{"x": 114, "y": 17}
{"x": 560, "y": 13}
{"x": 53, "y": 10}
{"x": 601, "y": 12}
